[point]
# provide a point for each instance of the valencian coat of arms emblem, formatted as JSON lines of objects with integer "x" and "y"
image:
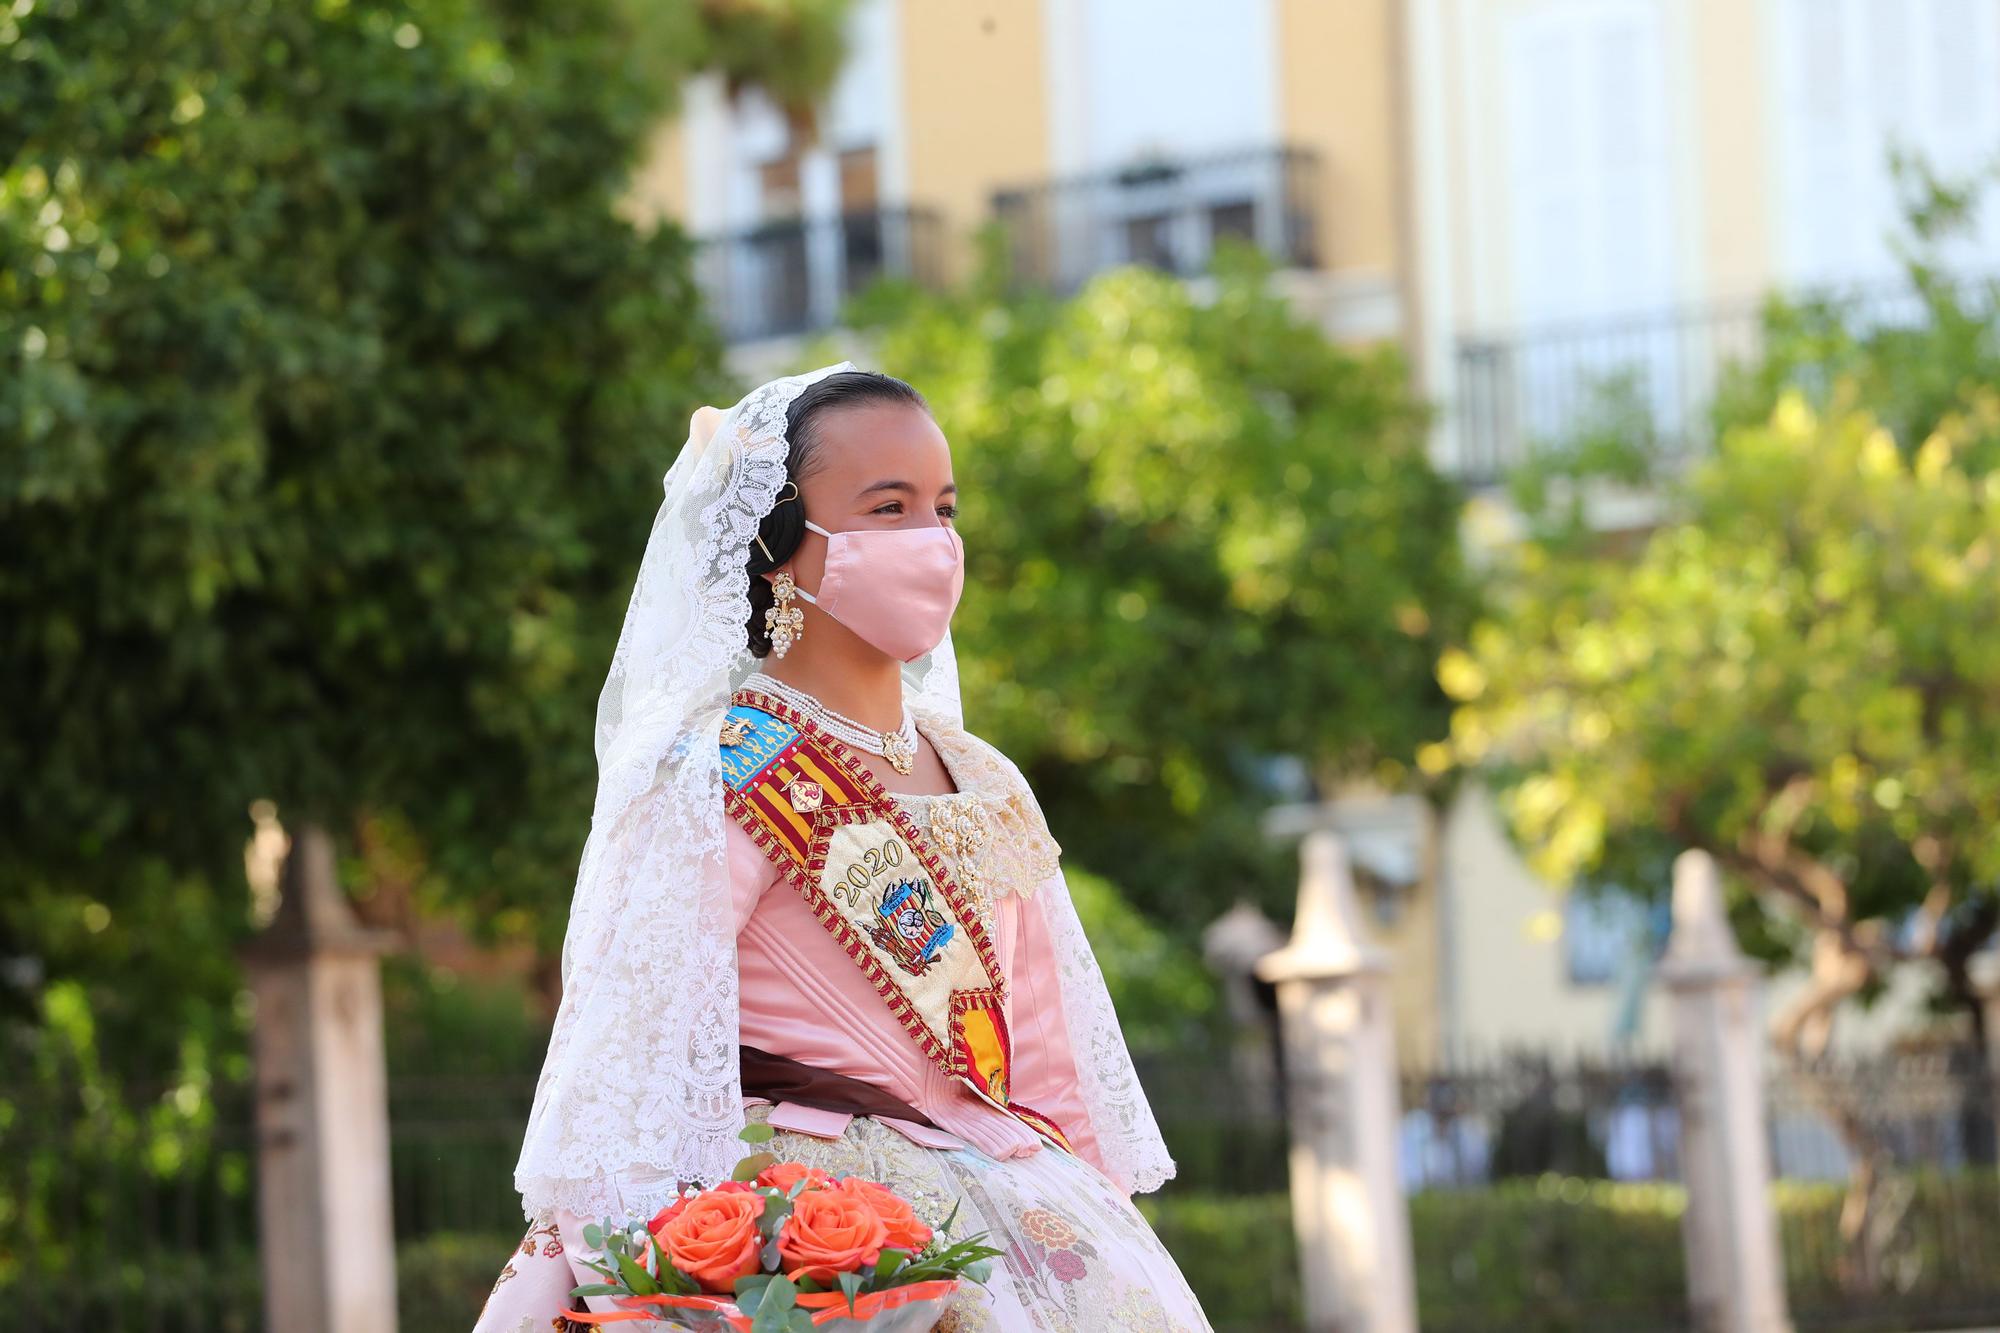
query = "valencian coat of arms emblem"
{"x": 911, "y": 930}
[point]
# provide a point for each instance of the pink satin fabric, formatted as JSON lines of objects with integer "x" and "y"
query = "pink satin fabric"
{"x": 802, "y": 996}
{"x": 895, "y": 587}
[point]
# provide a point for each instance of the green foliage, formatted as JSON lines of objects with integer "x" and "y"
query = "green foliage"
{"x": 1161, "y": 989}
{"x": 1198, "y": 535}
{"x": 440, "y": 1026}
{"x": 1937, "y": 1255}
{"x": 1911, "y": 374}
{"x": 792, "y": 50}
{"x": 1559, "y": 1253}
{"x": 1614, "y": 441}
{"x": 443, "y": 1280}
{"x": 1238, "y": 1253}
{"x": 1552, "y": 1254}
{"x": 1566, "y": 1255}
{"x": 1796, "y": 670}
{"x": 1806, "y": 656}
{"x": 334, "y": 394}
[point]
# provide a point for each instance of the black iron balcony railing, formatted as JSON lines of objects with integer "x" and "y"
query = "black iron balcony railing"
{"x": 793, "y": 275}
{"x": 1654, "y": 375}
{"x": 1168, "y": 213}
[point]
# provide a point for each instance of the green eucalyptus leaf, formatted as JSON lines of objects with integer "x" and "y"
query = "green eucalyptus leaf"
{"x": 775, "y": 1310}
{"x": 748, "y": 1168}
{"x": 887, "y": 1266}
{"x": 638, "y": 1279}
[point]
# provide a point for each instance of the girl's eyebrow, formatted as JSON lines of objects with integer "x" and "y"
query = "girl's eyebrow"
{"x": 950, "y": 488}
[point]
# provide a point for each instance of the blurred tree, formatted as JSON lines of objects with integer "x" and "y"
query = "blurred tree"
{"x": 1798, "y": 674}
{"x": 1200, "y": 536}
{"x": 334, "y": 396}
{"x": 1799, "y": 670}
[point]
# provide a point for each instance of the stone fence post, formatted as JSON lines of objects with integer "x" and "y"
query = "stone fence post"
{"x": 325, "y": 1236}
{"x": 1735, "y": 1272}
{"x": 1341, "y": 1100}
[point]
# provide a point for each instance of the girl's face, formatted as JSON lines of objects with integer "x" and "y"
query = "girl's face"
{"x": 879, "y": 465}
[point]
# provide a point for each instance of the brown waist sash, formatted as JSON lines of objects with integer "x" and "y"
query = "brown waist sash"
{"x": 783, "y": 1079}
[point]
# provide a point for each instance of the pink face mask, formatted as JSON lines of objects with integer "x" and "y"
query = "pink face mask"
{"x": 895, "y": 587}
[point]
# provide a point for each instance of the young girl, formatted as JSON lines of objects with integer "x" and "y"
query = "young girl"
{"x": 811, "y": 898}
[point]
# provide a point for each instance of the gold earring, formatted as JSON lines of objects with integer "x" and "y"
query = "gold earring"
{"x": 785, "y": 622}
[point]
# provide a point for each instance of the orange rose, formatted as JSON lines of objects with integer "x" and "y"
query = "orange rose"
{"x": 781, "y": 1176}
{"x": 714, "y": 1239}
{"x": 905, "y": 1231}
{"x": 830, "y": 1231}
{"x": 678, "y": 1206}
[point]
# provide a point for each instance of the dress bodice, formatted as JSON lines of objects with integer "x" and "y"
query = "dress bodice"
{"x": 802, "y": 996}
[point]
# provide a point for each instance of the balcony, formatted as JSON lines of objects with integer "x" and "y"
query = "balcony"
{"x": 1651, "y": 375}
{"x": 1168, "y": 213}
{"x": 791, "y": 276}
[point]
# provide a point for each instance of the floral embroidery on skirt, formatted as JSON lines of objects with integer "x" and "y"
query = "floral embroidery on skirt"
{"x": 1078, "y": 1257}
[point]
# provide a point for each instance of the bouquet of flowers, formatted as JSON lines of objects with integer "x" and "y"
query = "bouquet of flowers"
{"x": 783, "y": 1248}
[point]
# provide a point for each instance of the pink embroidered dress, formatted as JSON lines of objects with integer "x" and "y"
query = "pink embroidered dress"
{"x": 1078, "y": 1256}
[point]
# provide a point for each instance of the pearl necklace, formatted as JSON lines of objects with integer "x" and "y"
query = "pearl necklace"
{"x": 899, "y": 747}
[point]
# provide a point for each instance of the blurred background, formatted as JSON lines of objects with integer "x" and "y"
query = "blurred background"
{"x": 1525, "y": 439}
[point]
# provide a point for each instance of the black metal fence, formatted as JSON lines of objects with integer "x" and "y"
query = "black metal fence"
{"x": 793, "y": 275}
{"x": 1652, "y": 376}
{"x": 1889, "y": 1198}
{"x": 1169, "y": 213}
{"x": 134, "y": 1206}
{"x": 1475, "y": 1121}
{"x": 1543, "y": 1195}
{"x": 1536, "y": 1193}
{"x": 129, "y": 1209}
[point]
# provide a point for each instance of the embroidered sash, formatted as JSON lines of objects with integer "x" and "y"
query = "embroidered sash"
{"x": 881, "y": 890}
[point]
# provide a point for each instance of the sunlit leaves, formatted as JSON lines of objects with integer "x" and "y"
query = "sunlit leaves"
{"x": 1197, "y": 534}
{"x": 1811, "y": 647}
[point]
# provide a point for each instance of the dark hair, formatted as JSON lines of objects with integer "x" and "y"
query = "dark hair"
{"x": 785, "y": 526}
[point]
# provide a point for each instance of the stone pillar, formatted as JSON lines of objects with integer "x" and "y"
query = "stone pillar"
{"x": 325, "y": 1233}
{"x": 1735, "y": 1271}
{"x": 1983, "y": 970}
{"x": 1231, "y": 945}
{"x": 1341, "y": 1099}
